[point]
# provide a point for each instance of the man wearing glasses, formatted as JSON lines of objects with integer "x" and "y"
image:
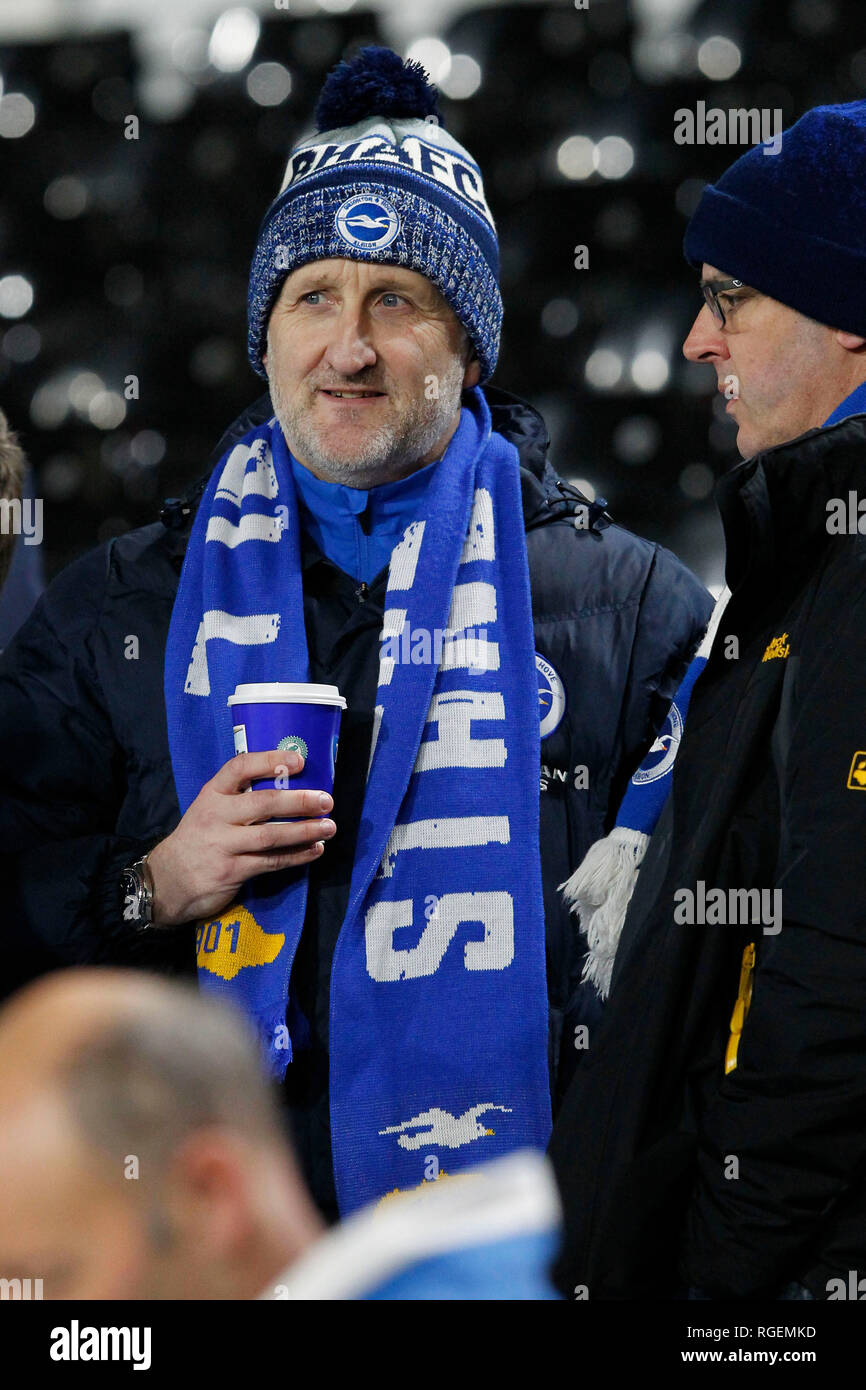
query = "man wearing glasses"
{"x": 783, "y": 371}
{"x": 714, "y": 1143}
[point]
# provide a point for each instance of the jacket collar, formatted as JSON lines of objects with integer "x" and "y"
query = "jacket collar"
{"x": 774, "y": 506}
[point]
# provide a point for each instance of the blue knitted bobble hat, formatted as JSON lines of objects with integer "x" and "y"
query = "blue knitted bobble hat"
{"x": 382, "y": 180}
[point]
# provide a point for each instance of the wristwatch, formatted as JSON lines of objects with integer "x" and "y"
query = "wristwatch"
{"x": 137, "y": 888}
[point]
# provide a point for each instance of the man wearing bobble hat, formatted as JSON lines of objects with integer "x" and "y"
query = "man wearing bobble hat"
{"x": 383, "y": 522}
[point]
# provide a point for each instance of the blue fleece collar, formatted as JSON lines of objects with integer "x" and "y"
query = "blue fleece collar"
{"x": 331, "y": 514}
{"x": 855, "y": 404}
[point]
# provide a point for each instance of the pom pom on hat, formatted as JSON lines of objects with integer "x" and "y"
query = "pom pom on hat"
{"x": 375, "y": 83}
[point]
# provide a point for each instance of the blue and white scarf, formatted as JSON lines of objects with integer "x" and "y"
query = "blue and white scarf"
{"x": 438, "y": 1029}
{"x": 601, "y": 887}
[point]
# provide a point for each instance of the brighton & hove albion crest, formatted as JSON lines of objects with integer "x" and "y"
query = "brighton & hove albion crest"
{"x": 551, "y": 696}
{"x": 660, "y": 757}
{"x": 367, "y": 222}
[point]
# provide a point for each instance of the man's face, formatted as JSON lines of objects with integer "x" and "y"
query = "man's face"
{"x": 91, "y": 1227}
{"x": 366, "y": 365}
{"x": 62, "y": 1221}
{"x": 778, "y": 368}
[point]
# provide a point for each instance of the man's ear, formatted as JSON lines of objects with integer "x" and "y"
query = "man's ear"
{"x": 472, "y": 374}
{"x": 852, "y": 341}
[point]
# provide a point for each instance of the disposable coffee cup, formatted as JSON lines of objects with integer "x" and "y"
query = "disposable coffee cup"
{"x": 291, "y": 717}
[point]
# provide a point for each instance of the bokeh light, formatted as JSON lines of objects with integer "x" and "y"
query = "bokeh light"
{"x": 234, "y": 38}
{"x": 16, "y": 296}
{"x": 719, "y": 58}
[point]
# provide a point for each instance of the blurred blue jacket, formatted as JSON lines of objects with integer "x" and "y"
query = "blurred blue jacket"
{"x": 490, "y": 1233}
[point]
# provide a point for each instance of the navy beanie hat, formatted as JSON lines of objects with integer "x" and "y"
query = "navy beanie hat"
{"x": 793, "y": 224}
{"x": 382, "y": 180}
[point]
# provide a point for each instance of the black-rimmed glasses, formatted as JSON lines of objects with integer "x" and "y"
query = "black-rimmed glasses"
{"x": 711, "y": 289}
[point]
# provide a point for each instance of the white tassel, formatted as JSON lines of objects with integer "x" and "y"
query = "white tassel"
{"x": 599, "y": 891}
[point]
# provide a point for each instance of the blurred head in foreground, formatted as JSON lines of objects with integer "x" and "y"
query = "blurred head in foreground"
{"x": 141, "y": 1156}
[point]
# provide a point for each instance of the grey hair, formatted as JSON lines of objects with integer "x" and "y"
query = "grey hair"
{"x": 175, "y": 1064}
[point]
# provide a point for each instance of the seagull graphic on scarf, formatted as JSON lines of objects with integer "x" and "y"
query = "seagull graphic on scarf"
{"x": 443, "y": 1128}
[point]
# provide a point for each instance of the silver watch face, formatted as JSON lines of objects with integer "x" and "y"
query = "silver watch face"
{"x": 134, "y": 897}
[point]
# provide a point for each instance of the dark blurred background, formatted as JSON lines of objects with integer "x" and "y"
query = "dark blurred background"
{"x": 128, "y": 258}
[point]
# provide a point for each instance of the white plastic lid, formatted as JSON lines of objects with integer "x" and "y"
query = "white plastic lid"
{"x": 286, "y": 693}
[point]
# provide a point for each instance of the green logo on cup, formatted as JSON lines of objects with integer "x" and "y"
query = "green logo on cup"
{"x": 293, "y": 743}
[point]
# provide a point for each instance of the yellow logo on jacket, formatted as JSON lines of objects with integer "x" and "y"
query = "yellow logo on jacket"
{"x": 228, "y": 944}
{"x": 779, "y": 647}
{"x": 857, "y": 775}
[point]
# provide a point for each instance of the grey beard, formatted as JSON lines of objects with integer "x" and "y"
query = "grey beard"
{"x": 386, "y": 453}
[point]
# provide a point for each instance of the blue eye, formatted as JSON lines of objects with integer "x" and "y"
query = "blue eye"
{"x": 308, "y": 297}
{"x": 389, "y": 294}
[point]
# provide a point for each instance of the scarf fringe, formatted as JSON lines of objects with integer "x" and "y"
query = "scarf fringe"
{"x": 600, "y": 889}
{"x": 599, "y": 892}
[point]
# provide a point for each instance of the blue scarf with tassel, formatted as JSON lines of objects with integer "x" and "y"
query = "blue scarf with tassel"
{"x": 438, "y": 1027}
{"x": 601, "y": 887}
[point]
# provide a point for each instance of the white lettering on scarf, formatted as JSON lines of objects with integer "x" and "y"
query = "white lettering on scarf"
{"x": 473, "y": 605}
{"x": 404, "y": 557}
{"x": 453, "y": 712}
{"x": 236, "y": 482}
{"x": 495, "y": 912}
{"x": 392, "y": 625}
{"x": 443, "y": 832}
{"x": 245, "y": 630}
{"x": 479, "y": 543}
{"x": 255, "y": 526}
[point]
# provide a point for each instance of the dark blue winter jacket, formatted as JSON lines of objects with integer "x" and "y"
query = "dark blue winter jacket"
{"x": 86, "y": 783}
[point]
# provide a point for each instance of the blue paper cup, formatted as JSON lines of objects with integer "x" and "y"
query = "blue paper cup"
{"x": 290, "y": 716}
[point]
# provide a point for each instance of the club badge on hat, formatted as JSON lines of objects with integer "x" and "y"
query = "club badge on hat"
{"x": 368, "y": 222}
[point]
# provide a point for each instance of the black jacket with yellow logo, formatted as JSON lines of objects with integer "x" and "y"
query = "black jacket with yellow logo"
{"x": 676, "y": 1175}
